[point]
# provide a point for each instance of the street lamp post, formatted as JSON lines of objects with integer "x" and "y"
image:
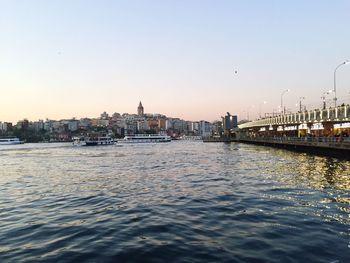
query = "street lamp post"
{"x": 324, "y": 98}
{"x": 264, "y": 102}
{"x": 246, "y": 112}
{"x": 300, "y": 107}
{"x": 335, "y": 87}
{"x": 283, "y": 109}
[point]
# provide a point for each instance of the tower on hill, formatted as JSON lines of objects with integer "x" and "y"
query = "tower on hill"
{"x": 140, "y": 111}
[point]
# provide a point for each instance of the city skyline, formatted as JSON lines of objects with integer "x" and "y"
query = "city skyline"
{"x": 193, "y": 60}
{"x": 102, "y": 115}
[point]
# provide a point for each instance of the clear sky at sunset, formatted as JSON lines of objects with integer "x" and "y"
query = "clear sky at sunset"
{"x": 63, "y": 59}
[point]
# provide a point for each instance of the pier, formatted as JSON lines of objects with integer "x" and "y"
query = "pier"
{"x": 337, "y": 147}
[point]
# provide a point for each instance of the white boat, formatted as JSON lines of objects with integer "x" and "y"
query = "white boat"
{"x": 10, "y": 140}
{"x": 99, "y": 140}
{"x": 145, "y": 138}
{"x": 79, "y": 141}
{"x": 92, "y": 140}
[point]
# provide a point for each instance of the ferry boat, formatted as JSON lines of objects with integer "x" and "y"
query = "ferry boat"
{"x": 99, "y": 140}
{"x": 145, "y": 138}
{"x": 10, "y": 140}
{"x": 92, "y": 140}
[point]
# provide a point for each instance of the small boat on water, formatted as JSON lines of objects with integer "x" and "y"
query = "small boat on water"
{"x": 79, "y": 141}
{"x": 92, "y": 140}
{"x": 100, "y": 140}
{"x": 145, "y": 138}
{"x": 10, "y": 141}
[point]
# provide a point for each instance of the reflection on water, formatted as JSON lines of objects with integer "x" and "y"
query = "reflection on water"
{"x": 182, "y": 201}
{"x": 312, "y": 171}
{"x": 328, "y": 181}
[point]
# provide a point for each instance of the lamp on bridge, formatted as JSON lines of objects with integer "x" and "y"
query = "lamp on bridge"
{"x": 282, "y": 108}
{"x": 324, "y": 97}
{"x": 264, "y": 102}
{"x": 335, "y": 90}
{"x": 300, "y": 106}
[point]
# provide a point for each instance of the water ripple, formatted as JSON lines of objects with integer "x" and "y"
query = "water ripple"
{"x": 176, "y": 202}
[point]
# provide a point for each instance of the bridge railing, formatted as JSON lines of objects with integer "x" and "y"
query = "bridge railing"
{"x": 332, "y": 140}
{"x": 341, "y": 113}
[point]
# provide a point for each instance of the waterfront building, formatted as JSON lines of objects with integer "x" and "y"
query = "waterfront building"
{"x": 227, "y": 121}
{"x": 217, "y": 128}
{"x": 24, "y": 124}
{"x": 128, "y": 123}
{"x": 48, "y": 125}
{"x": 130, "y": 128}
{"x": 99, "y": 122}
{"x": 70, "y": 125}
{"x": 132, "y": 117}
{"x": 102, "y": 122}
{"x": 73, "y": 125}
{"x": 176, "y": 125}
{"x": 179, "y": 125}
{"x": 84, "y": 123}
{"x": 120, "y": 122}
{"x": 38, "y": 125}
{"x": 3, "y": 126}
{"x": 230, "y": 121}
{"x": 153, "y": 124}
{"x": 94, "y": 122}
{"x": 55, "y": 125}
{"x": 189, "y": 130}
{"x": 142, "y": 125}
{"x": 204, "y": 128}
{"x": 234, "y": 121}
{"x": 168, "y": 124}
{"x": 60, "y": 137}
{"x": 195, "y": 127}
{"x": 162, "y": 124}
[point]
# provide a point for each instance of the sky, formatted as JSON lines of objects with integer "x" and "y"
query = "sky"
{"x": 192, "y": 59}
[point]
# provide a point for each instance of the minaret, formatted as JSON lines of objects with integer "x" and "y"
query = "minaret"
{"x": 140, "y": 109}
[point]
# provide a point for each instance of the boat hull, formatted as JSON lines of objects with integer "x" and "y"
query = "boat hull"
{"x": 93, "y": 141}
{"x": 145, "y": 139}
{"x": 98, "y": 143}
{"x": 142, "y": 141}
{"x": 10, "y": 141}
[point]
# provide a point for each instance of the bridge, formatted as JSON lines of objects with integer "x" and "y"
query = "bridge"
{"x": 303, "y": 120}
{"x": 321, "y": 131}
